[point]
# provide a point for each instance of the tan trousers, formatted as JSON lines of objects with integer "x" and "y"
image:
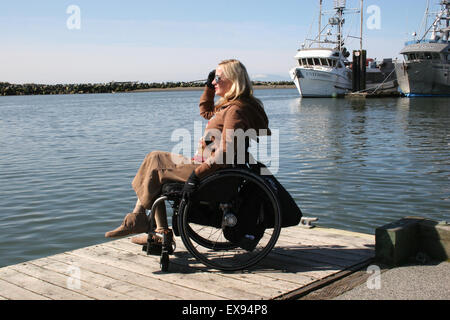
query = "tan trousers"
{"x": 157, "y": 169}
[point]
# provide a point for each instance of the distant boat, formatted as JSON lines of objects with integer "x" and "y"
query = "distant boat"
{"x": 324, "y": 71}
{"x": 426, "y": 69}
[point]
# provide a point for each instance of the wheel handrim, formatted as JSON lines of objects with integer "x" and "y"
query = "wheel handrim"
{"x": 209, "y": 245}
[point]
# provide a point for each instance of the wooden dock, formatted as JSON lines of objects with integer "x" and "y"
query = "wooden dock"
{"x": 302, "y": 260}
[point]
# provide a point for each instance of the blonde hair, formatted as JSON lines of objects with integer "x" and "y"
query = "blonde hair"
{"x": 242, "y": 88}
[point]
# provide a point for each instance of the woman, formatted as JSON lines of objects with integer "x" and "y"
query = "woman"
{"x": 236, "y": 109}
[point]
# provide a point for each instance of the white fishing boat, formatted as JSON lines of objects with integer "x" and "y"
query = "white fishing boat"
{"x": 323, "y": 69}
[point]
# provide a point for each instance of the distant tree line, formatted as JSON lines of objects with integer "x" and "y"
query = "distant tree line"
{"x": 8, "y": 89}
{"x": 273, "y": 83}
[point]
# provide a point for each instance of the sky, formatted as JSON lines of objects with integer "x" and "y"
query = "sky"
{"x": 100, "y": 41}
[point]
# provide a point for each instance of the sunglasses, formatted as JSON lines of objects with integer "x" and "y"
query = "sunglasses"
{"x": 217, "y": 78}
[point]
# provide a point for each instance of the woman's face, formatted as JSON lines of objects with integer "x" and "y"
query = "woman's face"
{"x": 221, "y": 84}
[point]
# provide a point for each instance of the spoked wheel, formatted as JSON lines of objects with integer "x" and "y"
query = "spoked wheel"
{"x": 202, "y": 237}
{"x": 232, "y": 222}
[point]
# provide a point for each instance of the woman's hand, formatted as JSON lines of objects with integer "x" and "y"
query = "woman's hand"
{"x": 210, "y": 79}
{"x": 191, "y": 185}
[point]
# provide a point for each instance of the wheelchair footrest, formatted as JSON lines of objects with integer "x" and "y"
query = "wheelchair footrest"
{"x": 153, "y": 249}
{"x": 157, "y": 248}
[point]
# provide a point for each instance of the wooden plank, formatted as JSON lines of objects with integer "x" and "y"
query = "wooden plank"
{"x": 14, "y": 292}
{"x": 100, "y": 286}
{"x": 331, "y": 237}
{"x": 296, "y": 294}
{"x": 258, "y": 292}
{"x": 114, "y": 273}
{"x": 337, "y": 251}
{"x": 267, "y": 269}
{"x": 61, "y": 279}
{"x": 269, "y": 272}
{"x": 149, "y": 266}
{"x": 317, "y": 248}
{"x": 39, "y": 286}
{"x": 311, "y": 271}
{"x": 297, "y": 266}
{"x": 346, "y": 233}
{"x": 182, "y": 258}
{"x": 273, "y": 271}
{"x": 307, "y": 237}
{"x": 331, "y": 233}
{"x": 344, "y": 282}
{"x": 262, "y": 279}
{"x": 264, "y": 284}
{"x": 308, "y": 253}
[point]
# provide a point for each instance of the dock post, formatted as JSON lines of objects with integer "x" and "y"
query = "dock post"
{"x": 356, "y": 71}
{"x": 359, "y": 70}
{"x": 362, "y": 71}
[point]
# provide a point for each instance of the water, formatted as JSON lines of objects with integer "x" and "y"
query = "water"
{"x": 67, "y": 161}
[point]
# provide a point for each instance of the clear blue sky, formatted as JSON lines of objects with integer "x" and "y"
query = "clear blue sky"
{"x": 174, "y": 40}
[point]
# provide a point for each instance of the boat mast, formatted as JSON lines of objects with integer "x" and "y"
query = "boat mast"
{"x": 320, "y": 19}
{"x": 361, "y": 26}
{"x": 445, "y": 16}
{"x": 427, "y": 12}
{"x": 442, "y": 15}
{"x": 447, "y": 30}
{"x": 339, "y": 6}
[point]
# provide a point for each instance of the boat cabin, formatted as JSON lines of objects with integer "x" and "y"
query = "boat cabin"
{"x": 325, "y": 62}
{"x": 320, "y": 57}
{"x": 438, "y": 52}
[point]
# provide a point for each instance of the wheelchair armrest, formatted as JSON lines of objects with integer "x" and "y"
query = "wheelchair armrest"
{"x": 172, "y": 189}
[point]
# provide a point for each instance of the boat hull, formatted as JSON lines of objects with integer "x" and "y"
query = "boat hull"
{"x": 423, "y": 78}
{"x": 318, "y": 83}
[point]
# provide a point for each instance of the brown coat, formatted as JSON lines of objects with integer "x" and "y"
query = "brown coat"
{"x": 239, "y": 114}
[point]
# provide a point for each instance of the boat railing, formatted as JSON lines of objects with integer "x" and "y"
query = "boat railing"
{"x": 407, "y": 43}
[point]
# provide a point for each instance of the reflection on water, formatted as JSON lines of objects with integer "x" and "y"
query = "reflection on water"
{"x": 67, "y": 161}
{"x": 365, "y": 162}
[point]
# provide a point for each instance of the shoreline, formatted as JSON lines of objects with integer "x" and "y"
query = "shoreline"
{"x": 255, "y": 87}
{"x": 7, "y": 89}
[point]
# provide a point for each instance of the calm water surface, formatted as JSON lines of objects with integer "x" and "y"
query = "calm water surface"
{"x": 67, "y": 161}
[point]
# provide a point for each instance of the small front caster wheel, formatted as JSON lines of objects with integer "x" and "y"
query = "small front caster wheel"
{"x": 164, "y": 262}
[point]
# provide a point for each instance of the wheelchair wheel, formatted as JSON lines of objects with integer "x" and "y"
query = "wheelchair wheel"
{"x": 204, "y": 240}
{"x": 232, "y": 222}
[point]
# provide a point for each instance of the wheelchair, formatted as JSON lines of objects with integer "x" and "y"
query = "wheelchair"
{"x": 230, "y": 223}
